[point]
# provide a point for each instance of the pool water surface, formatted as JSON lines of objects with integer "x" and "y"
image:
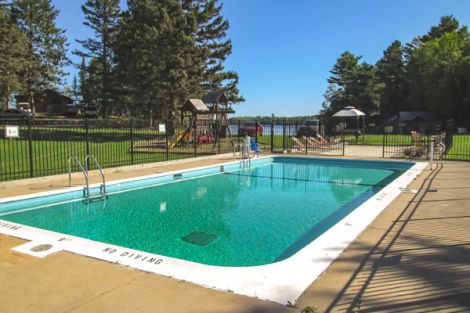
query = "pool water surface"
{"x": 233, "y": 217}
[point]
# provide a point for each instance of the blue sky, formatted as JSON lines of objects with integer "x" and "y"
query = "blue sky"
{"x": 284, "y": 50}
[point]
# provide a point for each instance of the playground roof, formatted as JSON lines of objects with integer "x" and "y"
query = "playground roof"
{"x": 195, "y": 105}
{"x": 215, "y": 98}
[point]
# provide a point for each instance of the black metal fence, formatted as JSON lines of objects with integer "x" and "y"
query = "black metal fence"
{"x": 284, "y": 137}
{"x": 42, "y": 147}
{"x": 442, "y": 142}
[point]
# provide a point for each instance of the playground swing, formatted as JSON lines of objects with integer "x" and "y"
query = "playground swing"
{"x": 205, "y": 124}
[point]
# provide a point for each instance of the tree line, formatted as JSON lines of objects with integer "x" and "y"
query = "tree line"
{"x": 431, "y": 73}
{"x": 145, "y": 61}
{"x": 272, "y": 118}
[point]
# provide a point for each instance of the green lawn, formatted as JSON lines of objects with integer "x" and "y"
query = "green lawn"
{"x": 460, "y": 149}
{"x": 51, "y": 148}
{"x": 378, "y": 140}
{"x": 349, "y": 139}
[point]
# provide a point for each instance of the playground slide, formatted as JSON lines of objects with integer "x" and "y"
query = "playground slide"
{"x": 181, "y": 138}
{"x": 254, "y": 146}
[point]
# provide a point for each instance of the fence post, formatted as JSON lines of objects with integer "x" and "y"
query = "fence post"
{"x": 87, "y": 136}
{"x": 238, "y": 132}
{"x": 272, "y": 135}
{"x": 428, "y": 144}
{"x": 431, "y": 160}
{"x": 256, "y": 131}
{"x": 30, "y": 145}
{"x": 307, "y": 134}
{"x": 167, "y": 144}
{"x": 132, "y": 140}
{"x": 219, "y": 137}
{"x": 342, "y": 140}
{"x": 384, "y": 141}
{"x": 284, "y": 137}
{"x": 194, "y": 126}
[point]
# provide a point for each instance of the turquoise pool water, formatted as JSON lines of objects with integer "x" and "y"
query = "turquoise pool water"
{"x": 240, "y": 217}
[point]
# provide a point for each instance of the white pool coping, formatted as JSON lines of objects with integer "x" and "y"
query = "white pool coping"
{"x": 281, "y": 282}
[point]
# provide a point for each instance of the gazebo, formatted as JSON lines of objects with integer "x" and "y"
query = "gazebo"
{"x": 351, "y": 111}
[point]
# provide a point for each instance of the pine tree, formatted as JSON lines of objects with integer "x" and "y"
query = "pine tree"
{"x": 215, "y": 48}
{"x": 83, "y": 82}
{"x": 447, "y": 24}
{"x": 391, "y": 76}
{"x": 365, "y": 92}
{"x": 46, "y": 43}
{"x": 12, "y": 55}
{"x": 75, "y": 90}
{"x": 351, "y": 84}
{"x": 342, "y": 80}
{"x": 103, "y": 17}
{"x": 155, "y": 52}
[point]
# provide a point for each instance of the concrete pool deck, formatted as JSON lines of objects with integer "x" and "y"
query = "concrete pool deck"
{"x": 414, "y": 256}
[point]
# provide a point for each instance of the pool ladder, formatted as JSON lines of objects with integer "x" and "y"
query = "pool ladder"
{"x": 245, "y": 156}
{"x": 86, "y": 190}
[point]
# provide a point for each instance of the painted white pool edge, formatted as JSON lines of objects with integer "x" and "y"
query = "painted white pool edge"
{"x": 280, "y": 282}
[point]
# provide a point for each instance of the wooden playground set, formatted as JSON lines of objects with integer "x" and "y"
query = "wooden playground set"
{"x": 202, "y": 125}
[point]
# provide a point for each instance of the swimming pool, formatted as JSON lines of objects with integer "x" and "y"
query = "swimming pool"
{"x": 221, "y": 217}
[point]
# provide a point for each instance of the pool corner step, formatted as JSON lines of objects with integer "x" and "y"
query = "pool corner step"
{"x": 38, "y": 249}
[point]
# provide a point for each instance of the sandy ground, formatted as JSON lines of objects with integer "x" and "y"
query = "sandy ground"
{"x": 415, "y": 257}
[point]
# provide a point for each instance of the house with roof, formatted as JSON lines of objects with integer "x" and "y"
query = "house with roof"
{"x": 407, "y": 121}
{"x": 47, "y": 101}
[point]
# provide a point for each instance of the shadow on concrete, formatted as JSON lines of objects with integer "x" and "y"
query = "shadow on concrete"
{"x": 420, "y": 264}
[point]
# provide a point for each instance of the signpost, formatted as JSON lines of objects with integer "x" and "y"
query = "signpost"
{"x": 12, "y": 131}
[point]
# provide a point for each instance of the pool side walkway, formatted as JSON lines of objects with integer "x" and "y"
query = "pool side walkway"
{"x": 415, "y": 257}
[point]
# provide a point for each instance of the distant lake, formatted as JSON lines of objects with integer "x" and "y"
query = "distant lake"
{"x": 291, "y": 130}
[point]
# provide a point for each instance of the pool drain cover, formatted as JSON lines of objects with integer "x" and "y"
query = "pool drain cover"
{"x": 41, "y": 248}
{"x": 199, "y": 238}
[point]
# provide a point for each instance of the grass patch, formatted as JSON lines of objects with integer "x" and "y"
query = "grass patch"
{"x": 52, "y": 146}
{"x": 50, "y": 150}
{"x": 460, "y": 149}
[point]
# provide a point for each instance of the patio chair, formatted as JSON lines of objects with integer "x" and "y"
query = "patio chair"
{"x": 415, "y": 138}
{"x": 313, "y": 143}
{"x": 297, "y": 144}
{"x": 322, "y": 140}
{"x": 416, "y": 149}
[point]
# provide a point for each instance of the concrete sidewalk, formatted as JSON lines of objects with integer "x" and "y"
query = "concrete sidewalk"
{"x": 415, "y": 257}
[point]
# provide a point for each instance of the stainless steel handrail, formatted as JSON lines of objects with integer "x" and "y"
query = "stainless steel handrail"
{"x": 246, "y": 158}
{"x": 98, "y": 166}
{"x": 84, "y": 172}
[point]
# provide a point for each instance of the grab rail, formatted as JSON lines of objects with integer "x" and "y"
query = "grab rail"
{"x": 246, "y": 158}
{"x": 84, "y": 172}
{"x": 87, "y": 163}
